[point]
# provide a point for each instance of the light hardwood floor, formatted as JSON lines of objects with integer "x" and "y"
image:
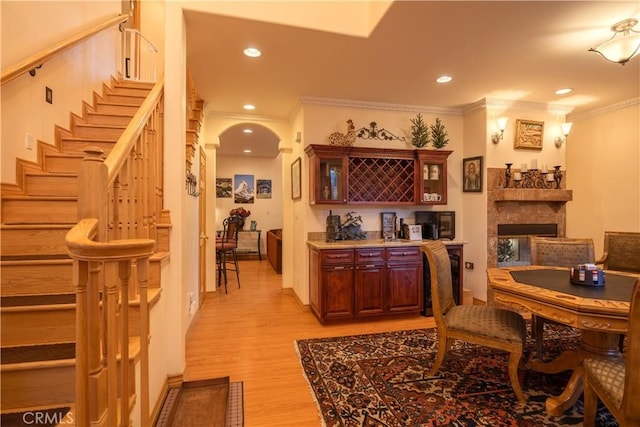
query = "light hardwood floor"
{"x": 249, "y": 333}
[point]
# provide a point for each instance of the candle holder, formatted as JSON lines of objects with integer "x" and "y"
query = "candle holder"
{"x": 533, "y": 178}
{"x": 557, "y": 175}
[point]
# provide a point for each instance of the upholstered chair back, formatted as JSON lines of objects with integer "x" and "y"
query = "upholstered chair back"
{"x": 621, "y": 251}
{"x": 561, "y": 251}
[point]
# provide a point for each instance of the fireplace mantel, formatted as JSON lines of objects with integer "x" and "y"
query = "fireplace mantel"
{"x": 530, "y": 195}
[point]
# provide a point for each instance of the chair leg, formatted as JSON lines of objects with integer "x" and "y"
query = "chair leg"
{"x": 444, "y": 344}
{"x": 538, "y": 333}
{"x": 514, "y": 362}
{"x": 236, "y": 266}
{"x": 590, "y": 404}
{"x": 224, "y": 269}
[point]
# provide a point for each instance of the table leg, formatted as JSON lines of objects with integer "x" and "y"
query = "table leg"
{"x": 259, "y": 250}
{"x": 593, "y": 344}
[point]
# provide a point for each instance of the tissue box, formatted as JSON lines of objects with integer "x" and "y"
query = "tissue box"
{"x": 584, "y": 276}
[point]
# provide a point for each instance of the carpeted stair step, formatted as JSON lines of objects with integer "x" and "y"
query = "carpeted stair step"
{"x": 39, "y": 210}
{"x": 43, "y": 277}
{"x": 33, "y": 241}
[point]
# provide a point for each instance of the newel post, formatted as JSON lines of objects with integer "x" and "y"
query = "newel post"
{"x": 91, "y": 398}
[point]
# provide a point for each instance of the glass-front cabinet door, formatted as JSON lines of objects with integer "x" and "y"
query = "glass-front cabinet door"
{"x": 328, "y": 173}
{"x": 432, "y": 181}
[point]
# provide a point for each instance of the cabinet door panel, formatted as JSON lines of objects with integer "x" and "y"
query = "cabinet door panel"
{"x": 404, "y": 287}
{"x": 369, "y": 284}
{"x": 338, "y": 292}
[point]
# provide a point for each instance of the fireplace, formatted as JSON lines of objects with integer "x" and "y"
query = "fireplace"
{"x": 513, "y": 242}
{"x": 517, "y": 213}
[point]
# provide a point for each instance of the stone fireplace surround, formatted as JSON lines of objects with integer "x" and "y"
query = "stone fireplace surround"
{"x": 521, "y": 206}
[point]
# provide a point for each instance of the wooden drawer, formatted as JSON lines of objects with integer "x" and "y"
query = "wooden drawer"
{"x": 369, "y": 255}
{"x": 403, "y": 254}
{"x": 337, "y": 256}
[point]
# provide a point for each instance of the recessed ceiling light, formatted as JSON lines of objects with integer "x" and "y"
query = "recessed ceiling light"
{"x": 247, "y": 130}
{"x": 252, "y": 52}
{"x": 444, "y": 79}
{"x": 564, "y": 91}
{"x": 246, "y": 151}
{"x": 249, "y": 107}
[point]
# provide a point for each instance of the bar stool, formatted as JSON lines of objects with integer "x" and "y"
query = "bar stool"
{"x": 226, "y": 246}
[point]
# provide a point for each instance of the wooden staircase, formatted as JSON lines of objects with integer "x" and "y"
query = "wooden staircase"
{"x": 37, "y": 294}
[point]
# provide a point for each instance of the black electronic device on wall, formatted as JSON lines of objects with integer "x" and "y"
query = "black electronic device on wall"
{"x": 437, "y": 224}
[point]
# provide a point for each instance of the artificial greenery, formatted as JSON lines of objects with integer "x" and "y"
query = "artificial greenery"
{"x": 419, "y": 132}
{"x": 438, "y": 134}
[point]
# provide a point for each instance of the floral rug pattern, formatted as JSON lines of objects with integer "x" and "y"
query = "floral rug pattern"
{"x": 383, "y": 380}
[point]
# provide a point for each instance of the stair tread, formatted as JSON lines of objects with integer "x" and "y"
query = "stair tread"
{"x": 38, "y": 353}
{"x": 33, "y": 300}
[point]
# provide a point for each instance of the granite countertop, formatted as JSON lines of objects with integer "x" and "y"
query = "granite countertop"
{"x": 370, "y": 243}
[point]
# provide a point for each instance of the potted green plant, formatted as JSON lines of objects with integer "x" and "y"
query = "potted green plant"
{"x": 438, "y": 134}
{"x": 419, "y": 132}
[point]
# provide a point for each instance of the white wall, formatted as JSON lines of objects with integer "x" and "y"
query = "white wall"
{"x": 603, "y": 160}
{"x": 73, "y": 76}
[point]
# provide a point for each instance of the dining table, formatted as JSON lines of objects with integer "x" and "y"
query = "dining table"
{"x": 599, "y": 312}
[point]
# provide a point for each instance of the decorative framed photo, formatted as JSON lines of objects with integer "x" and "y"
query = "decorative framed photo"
{"x": 296, "y": 179}
{"x": 263, "y": 187}
{"x": 415, "y": 232}
{"x": 244, "y": 190}
{"x": 472, "y": 174}
{"x": 224, "y": 188}
{"x": 529, "y": 134}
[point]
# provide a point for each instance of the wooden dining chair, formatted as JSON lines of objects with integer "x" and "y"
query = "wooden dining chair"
{"x": 492, "y": 327}
{"x": 621, "y": 251}
{"x": 559, "y": 252}
{"x": 226, "y": 249}
{"x": 616, "y": 381}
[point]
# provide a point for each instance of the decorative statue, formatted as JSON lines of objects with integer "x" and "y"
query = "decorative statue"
{"x": 347, "y": 140}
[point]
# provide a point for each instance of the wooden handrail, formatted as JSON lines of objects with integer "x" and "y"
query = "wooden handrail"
{"x": 127, "y": 140}
{"x": 43, "y": 56}
{"x": 81, "y": 245}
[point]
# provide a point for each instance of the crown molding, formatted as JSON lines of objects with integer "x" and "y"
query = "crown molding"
{"x": 346, "y": 103}
{"x": 607, "y": 109}
{"x": 247, "y": 117}
{"x": 518, "y": 105}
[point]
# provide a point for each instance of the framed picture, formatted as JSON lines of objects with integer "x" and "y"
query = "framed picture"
{"x": 263, "y": 187}
{"x": 296, "y": 184}
{"x": 244, "y": 190}
{"x": 224, "y": 188}
{"x": 529, "y": 134}
{"x": 472, "y": 174}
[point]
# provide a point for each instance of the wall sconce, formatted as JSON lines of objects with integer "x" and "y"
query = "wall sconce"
{"x": 192, "y": 185}
{"x": 566, "y": 128}
{"x": 624, "y": 44}
{"x": 497, "y": 136}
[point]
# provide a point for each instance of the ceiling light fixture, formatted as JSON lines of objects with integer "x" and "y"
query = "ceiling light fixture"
{"x": 444, "y": 79}
{"x": 246, "y": 151}
{"x": 247, "y": 130}
{"x": 624, "y": 44}
{"x": 249, "y": 107}
{"x": 564, "y": 91}
{"x": 252, "y": 52}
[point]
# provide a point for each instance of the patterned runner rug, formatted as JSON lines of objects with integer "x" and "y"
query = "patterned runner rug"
{"x": 383, "y": 380}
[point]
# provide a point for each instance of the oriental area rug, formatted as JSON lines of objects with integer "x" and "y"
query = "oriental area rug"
{"x": 383, "y": 380}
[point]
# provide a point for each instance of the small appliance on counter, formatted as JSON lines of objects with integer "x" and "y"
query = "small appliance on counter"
{"x": 333, "y": 227}
{"x": 437, "y": 224}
